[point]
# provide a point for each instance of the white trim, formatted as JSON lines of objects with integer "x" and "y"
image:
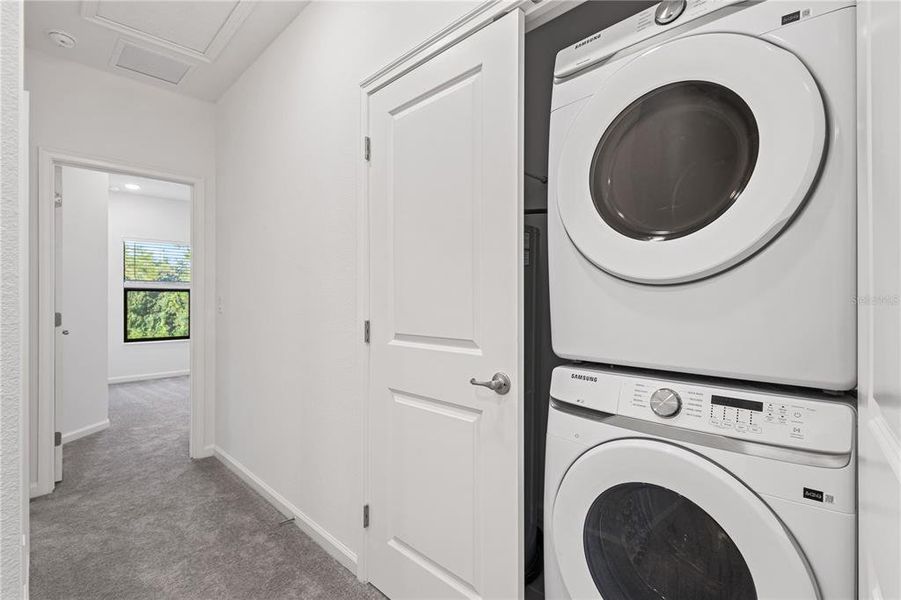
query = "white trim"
{"x": 25, "y": 325}
{"x": 885, "y": 438}
{"x": 85, "y": 431}
{"x": 201, "y": 436}
{"x": 34, "y": 490}
{"x": 317, "y": 532}
{"x": 537, "y": 13}
{"x": 363, "y": 314}
{"x": 480, "y": 16}
{"x": 148, "y": 376}
{"x": 548, "y": 10}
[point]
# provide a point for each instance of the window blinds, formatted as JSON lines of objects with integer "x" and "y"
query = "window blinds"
{"x": 157, "y": 261}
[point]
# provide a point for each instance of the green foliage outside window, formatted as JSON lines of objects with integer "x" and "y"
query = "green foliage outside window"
{"x": 157, "y": 314}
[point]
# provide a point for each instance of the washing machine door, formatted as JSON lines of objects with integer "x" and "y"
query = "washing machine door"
{"x": 690, "y": 158}
{"x": 639, "y": 519}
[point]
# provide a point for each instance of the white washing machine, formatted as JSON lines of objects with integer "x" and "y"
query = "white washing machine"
{"x": 671, "y": 489}
{"x": 702, "y": 201}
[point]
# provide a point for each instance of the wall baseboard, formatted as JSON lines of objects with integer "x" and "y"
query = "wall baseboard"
{"x": 207, "y": 452}
{"x": 338, "y": 550}
{"x": 147, "y": 376}
{"x": 71, "y": 436}
{"x": 35, "y": 489}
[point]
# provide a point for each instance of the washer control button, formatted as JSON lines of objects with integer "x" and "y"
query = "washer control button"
{"x": 668, "y": 11}
{"x": 666, "y": 403}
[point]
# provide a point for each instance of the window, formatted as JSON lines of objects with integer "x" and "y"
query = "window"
{"x": 152, "y": 315}
{"x": 157, "y": 262}
{"x": 157, "y": 296}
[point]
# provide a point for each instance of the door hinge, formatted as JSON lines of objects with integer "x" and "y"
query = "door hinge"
{"x": 365, "y": 516}
{"x": 367, "y": 148}
{"x": 57, "y": 319}
{"x": 57, "y": 199}
{"x": 57, "y": 438}
{"x": 366, "y": 330}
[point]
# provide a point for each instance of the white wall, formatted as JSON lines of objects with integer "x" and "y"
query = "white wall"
{"x": 288, "y": 147}
{"x": 89, "y": 112}
{"x": 13, "y": 505}
{"x": 138, "y": 217}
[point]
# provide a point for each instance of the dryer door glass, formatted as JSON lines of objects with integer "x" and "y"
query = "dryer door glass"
{"x": 674, "y": 160}
{"x": 646, "y": 542}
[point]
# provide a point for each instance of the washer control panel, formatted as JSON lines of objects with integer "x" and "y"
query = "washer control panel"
{"x": 631, "y": 31}
{"x": 814, "y": 422}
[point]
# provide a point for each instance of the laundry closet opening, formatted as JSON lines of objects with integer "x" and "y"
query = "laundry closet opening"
{"x": 543, "y": 41}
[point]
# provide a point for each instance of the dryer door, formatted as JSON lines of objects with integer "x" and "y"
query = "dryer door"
{"x": 639, "y": 519}
{"x": 690, "y": 158}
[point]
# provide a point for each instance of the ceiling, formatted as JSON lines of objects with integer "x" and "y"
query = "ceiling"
{"x": 197, "y": 48}
{"x": 155, "y": 188}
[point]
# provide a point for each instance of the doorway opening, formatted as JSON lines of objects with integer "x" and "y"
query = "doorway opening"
{"x": 121, "y": 303}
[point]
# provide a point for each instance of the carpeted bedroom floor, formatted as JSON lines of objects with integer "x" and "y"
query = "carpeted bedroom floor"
{"x": 134, "y": 517}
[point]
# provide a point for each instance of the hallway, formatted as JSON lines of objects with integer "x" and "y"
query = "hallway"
{"x": 134, "y": 517}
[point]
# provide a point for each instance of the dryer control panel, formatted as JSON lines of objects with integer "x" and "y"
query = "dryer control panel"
{"x": 816, "y": 423}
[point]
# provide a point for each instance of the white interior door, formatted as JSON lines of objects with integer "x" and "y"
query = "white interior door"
{"x": 81, "y": 297}
{"x": 446, "y": 307}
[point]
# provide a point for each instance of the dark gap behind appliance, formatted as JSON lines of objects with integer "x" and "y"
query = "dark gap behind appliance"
{"x": 541, "y": 47}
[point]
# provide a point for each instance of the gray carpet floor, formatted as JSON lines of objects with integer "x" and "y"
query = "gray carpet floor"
{"x": 135, "y": 517}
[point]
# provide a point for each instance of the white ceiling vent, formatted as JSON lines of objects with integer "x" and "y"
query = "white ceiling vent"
{"x": 150, "y": 64}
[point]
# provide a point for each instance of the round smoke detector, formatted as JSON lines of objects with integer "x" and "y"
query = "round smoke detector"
{"x": 62, "y": 39}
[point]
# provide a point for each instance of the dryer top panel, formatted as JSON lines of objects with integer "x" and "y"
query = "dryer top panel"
{"x": 638, "y": 29}
{"x": 811, "y": 422}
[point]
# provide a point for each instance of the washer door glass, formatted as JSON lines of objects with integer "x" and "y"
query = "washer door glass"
{"x": 674, "y": 160}
{"x": 646, "y": 542}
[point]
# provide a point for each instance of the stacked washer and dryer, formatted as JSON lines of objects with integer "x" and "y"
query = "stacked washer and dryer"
{"x": 702, "y": 247}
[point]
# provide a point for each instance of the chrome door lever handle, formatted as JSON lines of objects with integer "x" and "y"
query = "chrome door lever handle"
{"x": 500, "y": 383}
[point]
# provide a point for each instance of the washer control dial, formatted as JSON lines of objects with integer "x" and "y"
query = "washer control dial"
{"x": 668, "y": 11}
{"x": 666, "y": 403}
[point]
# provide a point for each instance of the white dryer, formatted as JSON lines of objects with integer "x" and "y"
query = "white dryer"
{"x": 672, "y": 489}
{"x": 702, "y": 201}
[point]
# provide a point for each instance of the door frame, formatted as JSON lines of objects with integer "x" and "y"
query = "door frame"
{"x": 479, "y": 17}
{"x": 200, "y": 439}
